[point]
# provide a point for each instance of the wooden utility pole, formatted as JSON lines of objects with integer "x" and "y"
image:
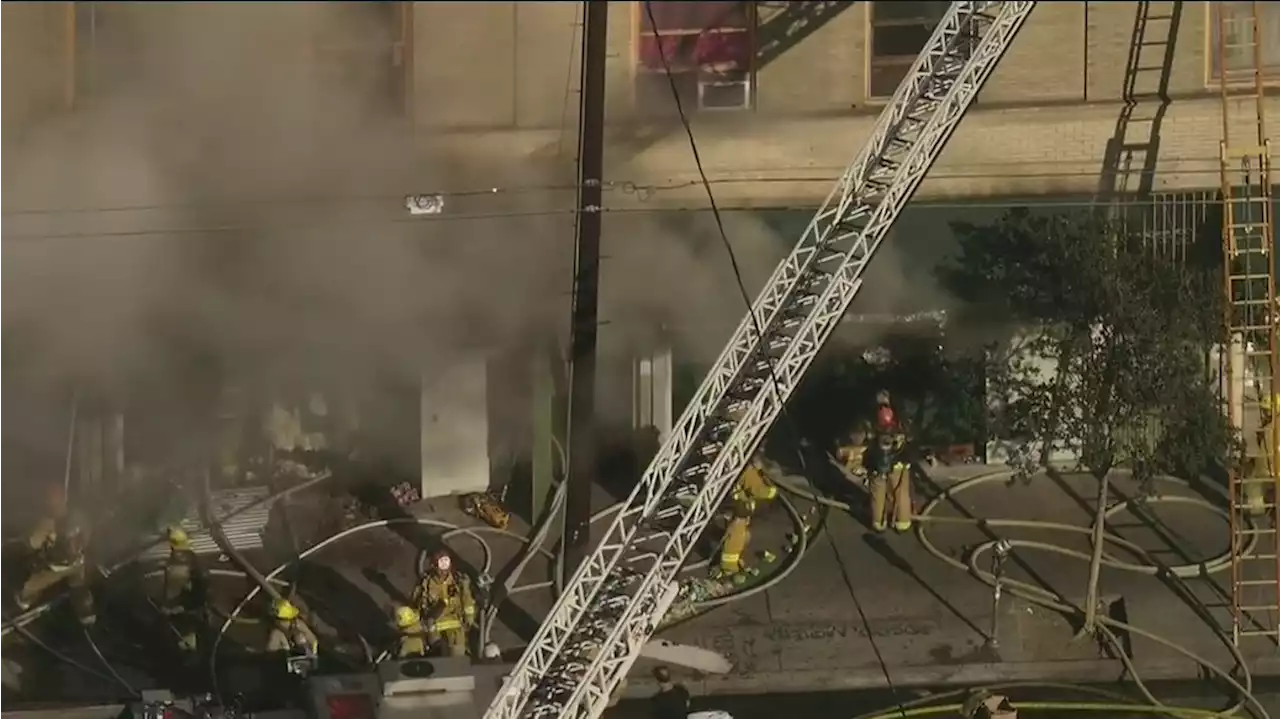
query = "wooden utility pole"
{"x": 583, "y": 454}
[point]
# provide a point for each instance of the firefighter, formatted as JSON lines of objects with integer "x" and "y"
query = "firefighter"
{"x": 754, "y": 484}
{"x": 411, "y": 640}
{"x": 444, "y": 598}
{"x": 853, "y": 450}
{"x": 1255, "y": 491}
{"x": 289, "y": 632}
{"x": 736, "y": 538}
{"x": 185, "y": 590}
{"x": 56, "y": 548}
{"x": 887, "y": 469}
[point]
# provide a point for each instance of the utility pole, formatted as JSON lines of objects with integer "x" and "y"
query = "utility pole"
{"x": 586, "y": 290}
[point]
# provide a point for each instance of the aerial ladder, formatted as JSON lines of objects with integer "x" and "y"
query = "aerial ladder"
{"x": 616, "y": 599}
{"x": 1249, "y": 264}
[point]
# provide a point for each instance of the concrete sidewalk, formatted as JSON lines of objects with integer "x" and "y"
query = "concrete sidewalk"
{"x": 858, "y": 597}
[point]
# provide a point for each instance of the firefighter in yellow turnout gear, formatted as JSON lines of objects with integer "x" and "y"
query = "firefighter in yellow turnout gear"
{"x": 752, "y": 491}
{"x": 1255, "y": 492}
{"x": 852, "y": 452}
{"x": 185, "y": 590}
{"x": 55, "y": 553}
{"x": 754, "y": 483}
{"x": 411, "y": 639}
{"x": 736, "y": 538}
{"x": 444, "y": 599}
{"x": 289, "y": 632}
{"x": 887, "y": 469}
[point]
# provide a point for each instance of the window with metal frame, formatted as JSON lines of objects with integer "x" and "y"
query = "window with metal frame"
{"x": 1239, "y": 41}
{"x": 709, "y": 47}
{"x": 897, "y": 32}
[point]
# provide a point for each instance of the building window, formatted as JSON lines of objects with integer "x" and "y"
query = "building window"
{"x": 899, "y": 31}
{"x": 709, "y": 48}
{"x": 1239, "y": 42}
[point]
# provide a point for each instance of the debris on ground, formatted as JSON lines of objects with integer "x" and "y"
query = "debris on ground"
{"x": 487, "y": 507}
{"x": 405, "y": 494}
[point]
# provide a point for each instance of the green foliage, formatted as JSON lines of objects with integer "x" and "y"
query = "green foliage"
{"x": 1130, "y": 332}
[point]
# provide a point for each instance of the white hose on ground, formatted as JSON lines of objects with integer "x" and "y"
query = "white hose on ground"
{"x": 470, "y": 531}
{"x": 1049, "y": 600}
{"x": 41, "y": 609}
{"x": 70, "y": 661}
{"x": 453, "y": 529}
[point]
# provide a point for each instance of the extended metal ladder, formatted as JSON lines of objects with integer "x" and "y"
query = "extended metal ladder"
{"x": 615, "y": 600}
{"x": 1250, "y": 283}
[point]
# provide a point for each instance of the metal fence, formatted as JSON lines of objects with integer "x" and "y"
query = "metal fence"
{"x": 243, "y": 514}
{"x": 1172, "y": 224}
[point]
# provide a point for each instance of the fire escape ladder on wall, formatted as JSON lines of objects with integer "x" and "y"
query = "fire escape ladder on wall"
{"x": 1130, "y": 162}
{"x": 1250, "y": 283}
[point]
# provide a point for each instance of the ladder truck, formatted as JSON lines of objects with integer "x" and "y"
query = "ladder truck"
{"x": 616, "y": 599}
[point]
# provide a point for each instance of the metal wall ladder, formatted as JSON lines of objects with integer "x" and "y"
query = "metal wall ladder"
{"x": 1250, "y": 283}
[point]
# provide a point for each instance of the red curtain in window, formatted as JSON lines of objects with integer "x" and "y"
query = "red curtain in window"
{"x": 723, "y": 50}
{"x": 696, "y": 34}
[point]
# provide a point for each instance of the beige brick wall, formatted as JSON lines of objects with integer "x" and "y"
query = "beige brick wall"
{"x": 1040, "y": 126}
{"x": 995, "y": 152}
{"x": 496, "y": 82}
{"x": 1110, "y": 29}
{"x": 508, "y": 64}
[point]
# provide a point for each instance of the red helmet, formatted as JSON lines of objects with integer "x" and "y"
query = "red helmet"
{"x": 885, "y": 419}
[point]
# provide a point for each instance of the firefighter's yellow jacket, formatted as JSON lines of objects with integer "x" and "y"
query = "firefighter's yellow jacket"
{"x": 53, "y": 544}
{"x": 446, "y": 601}
{"x": 754, "y": 485}
{"x": 411, "y": 642}
{"x": 283, "y": 634}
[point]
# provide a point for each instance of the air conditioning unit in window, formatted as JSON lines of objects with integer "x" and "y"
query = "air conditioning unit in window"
{"x": 724, "y": 93}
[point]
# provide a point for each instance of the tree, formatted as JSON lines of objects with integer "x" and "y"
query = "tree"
{"x": 1129, "y": 333}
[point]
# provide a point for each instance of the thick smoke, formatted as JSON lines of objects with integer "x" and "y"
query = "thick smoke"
{"x": 247, "y": 163}
{"x": 248, "y": 171}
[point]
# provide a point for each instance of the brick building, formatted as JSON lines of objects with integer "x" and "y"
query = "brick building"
{"x": 813, "y": 76}
{"x": 780, "y": 96}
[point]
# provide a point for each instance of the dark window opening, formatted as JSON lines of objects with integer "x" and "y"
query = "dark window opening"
{"x": 899, "y": 31}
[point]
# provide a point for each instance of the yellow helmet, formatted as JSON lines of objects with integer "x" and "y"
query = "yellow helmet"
{"x": 284, "y": 609}
{"x": 406, "y": 617}
{"x": 178, "y": 538}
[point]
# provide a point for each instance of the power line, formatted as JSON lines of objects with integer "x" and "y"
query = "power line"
{"x": 319, "y": 222}
{"x": 993, "y": 204}
{"x": 644, "y": 191}
{"x": 742, "y": 288}
{"x": 296, "y": 200}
